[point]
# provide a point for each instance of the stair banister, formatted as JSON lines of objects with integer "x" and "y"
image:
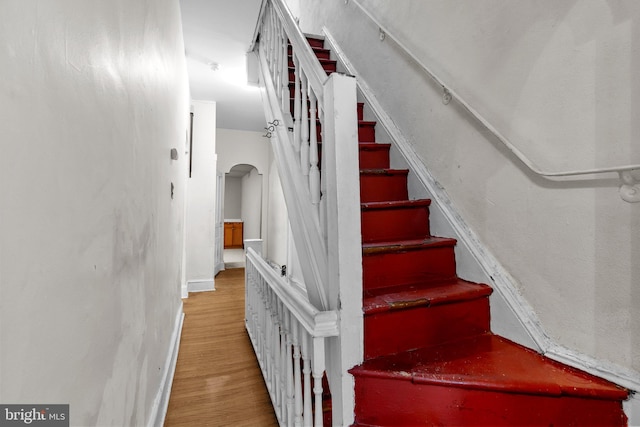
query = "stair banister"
{"x": 306, "y": 226}
{"x": 288, "y": 335}
{"x": 314, "y": 71}
{"x": 630, "y": 183}
{"x": 323, "y": 204}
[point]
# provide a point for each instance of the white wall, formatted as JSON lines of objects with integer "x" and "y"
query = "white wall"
{"x": 202, "y": 199}
{"x": 232, "y": 197}
{"x": 251, "y": 210}
{"x": 277, "y": 219}
{"x": 93, "y": 97}
{"x": 557, "y": 77}
{"x": 236, "y": 147}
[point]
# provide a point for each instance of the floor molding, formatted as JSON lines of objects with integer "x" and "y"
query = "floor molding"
{"x": 161, "y": 402}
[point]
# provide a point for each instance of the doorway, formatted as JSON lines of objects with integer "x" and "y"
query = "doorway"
{"x": 242, "y": 212}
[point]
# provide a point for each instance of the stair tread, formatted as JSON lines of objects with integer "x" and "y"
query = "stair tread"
{"x": 384, "y": 171}
{"x": 394, "y": 204}
{"x": 412, "y": 244}
{"x": 373, "y": 145}
{"x": 425, "y": 295}
{"x": 493, "y": 363}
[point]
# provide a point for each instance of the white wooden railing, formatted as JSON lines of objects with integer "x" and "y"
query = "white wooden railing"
{"x": 322, "y": 195}
{"x": 288, "y": 335}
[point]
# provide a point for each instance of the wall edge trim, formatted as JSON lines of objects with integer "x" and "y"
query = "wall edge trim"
{"x": 161, "y": 401}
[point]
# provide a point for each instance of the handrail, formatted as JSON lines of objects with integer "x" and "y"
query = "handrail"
{"x": 317, "y": 323}
{"x": 289, "y": 336}
{"x": 312, "y": 246}
{"x": 623, "y": 170}
{"x": 316, "y": 75}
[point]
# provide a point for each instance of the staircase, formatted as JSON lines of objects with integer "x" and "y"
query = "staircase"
{"x": 430, "y": 355}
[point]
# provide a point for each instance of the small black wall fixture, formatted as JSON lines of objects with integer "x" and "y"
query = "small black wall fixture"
{"x": 190, "y": 144}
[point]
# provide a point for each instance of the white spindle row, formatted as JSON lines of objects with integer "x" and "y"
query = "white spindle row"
{"x": 300, "y": 100}
{"x": 290, "y": 348}
{"x": 306, "y": 112}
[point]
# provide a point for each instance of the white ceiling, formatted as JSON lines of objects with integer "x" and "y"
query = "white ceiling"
{"x": 220, "y": 31}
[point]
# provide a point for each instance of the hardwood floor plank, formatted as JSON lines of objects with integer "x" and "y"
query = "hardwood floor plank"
{"x": 218, "y": 381}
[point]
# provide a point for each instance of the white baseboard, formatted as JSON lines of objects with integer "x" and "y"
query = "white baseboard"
{"x": 161, "y": 402}
{"x": 632, "y": 409}
{"x": 202, "y": 285}
{"x": 219, "y": 267}
{"x": 184, "y": 290}
{"x": 523, "y": 326}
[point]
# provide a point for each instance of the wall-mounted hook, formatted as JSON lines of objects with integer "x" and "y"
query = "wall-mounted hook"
{"x": 382, "y": 35}
{"x": 271, "y": 128}
{"x": 446, "y": 96}
{"x": 630, "y": 186}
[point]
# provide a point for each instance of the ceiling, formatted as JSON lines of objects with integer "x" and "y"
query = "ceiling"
{"x": 220, "y": 32}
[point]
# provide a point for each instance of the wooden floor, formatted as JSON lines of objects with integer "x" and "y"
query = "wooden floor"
{"x": 217, "y": 380}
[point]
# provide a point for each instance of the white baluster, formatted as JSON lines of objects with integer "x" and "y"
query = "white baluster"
{"x": 284, "y": 366}
{"x": 289, "y": 356}
{"x": 272, "y": 44}
{"x": 267, "y": 340}
{"x": 297, "y": 377}
{"x": 304, "y": 137}
{"x": 285, "y": 71}
{"x": 306, "y": 372}
{"x": 296, "y": 104}
{"x": 314, "y": 173}
{"x": 318, "y": 367}
{"x": 277, "y": 69}
{"x": 281, "y": 361}
{"x": 275, "y": 345}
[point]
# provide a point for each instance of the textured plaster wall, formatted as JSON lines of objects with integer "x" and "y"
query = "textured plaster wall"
{"x": 93, "y": 96}
{"x": 558, "y": 79}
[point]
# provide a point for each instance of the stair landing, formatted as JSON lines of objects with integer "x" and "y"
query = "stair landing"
{"x": 481, "y": 381}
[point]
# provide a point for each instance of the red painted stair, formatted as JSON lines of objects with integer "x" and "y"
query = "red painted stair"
{"x": 430, "y": 356}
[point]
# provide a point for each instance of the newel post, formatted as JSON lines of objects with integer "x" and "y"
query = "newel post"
{"x": 340, "y": 158}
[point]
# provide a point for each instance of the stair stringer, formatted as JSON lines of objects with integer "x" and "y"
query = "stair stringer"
{"x": 511, "y": 315}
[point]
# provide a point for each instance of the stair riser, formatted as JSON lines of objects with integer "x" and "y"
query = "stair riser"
{"x": 360, "y": 111}
{"x": 328, "y": 66}
{"x": 382, "y": 188}
{"x": 428, "y": 265}
{"x": 366, "y": 132}
{"x": 383, "y": 225}
{"x": 374, "y": 159}
{"x": 392, "y": 402}
{"x": 319, "y": 52}
{"x": 315, "y": 42}
{"x": 394, "y": 331}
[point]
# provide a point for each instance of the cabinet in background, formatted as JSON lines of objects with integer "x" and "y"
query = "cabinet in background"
{"x": 233, "y": 235}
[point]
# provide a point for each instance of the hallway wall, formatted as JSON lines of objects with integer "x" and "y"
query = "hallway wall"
{"x": 201, "y": 199}
{"x": 557, "y": 78}
{"x": 93, "y": 97}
